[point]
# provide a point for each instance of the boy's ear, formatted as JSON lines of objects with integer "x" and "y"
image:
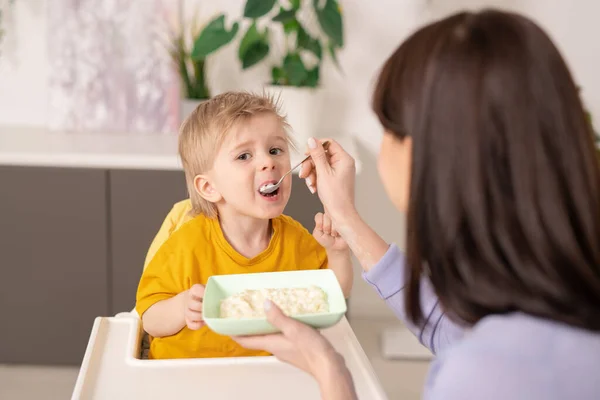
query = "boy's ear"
{"x": 205, "y": 188}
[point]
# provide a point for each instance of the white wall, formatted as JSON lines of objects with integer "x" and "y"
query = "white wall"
{"x": 373, "y": 30}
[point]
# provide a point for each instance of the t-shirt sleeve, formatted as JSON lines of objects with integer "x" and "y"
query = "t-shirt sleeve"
{"x": 310, "y": 244}
{"x": 321, "y": 256}
{"x": 161, "y": 280}
{"x": 314, "y": 255}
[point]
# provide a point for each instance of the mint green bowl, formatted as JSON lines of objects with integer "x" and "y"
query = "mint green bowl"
{"x": 221, "y": 286}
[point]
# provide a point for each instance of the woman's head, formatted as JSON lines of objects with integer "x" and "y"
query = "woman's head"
{"x": 488, "y": 149}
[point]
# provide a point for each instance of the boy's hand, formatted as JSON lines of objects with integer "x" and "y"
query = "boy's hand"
{"x": 193, "y": 307}
{"x": 326, "y": 234}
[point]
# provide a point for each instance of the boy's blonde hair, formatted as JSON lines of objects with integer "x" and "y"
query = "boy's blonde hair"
{"x": 203, "y": 132}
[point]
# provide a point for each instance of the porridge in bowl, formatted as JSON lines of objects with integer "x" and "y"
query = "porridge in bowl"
{"x": 292, "y": 301}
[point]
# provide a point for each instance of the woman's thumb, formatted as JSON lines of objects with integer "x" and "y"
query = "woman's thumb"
{"x": 317, "y": 153}
{"x": 275, "y": 316}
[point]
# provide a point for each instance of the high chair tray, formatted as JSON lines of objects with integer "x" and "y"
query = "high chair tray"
{"x": 112, "y": 369}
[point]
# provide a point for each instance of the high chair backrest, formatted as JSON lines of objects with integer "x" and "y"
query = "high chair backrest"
{"x": 179, "y": 215}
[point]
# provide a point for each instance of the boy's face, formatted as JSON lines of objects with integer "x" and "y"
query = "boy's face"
{"x": 255, "y": 153}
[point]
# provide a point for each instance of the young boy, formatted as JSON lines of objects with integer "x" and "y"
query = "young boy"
{"x": 230, "y": 146}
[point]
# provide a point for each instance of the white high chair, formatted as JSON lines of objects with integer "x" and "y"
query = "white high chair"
{"x": 113, "y": 368}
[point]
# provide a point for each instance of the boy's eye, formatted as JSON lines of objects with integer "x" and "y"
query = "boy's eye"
{"x": 275, "y": 151}
{"x": 244, "y": 156}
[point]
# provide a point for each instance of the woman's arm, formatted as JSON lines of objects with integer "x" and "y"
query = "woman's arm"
{"x": 332, "y": 176}
{"x": 384, "y": 270}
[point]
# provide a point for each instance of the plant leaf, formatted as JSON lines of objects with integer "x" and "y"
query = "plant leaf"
{"x": 308, "y": 43}
{"x": 255, "y": 54}
{"x": 213, "y": 37}
{"x": 294, "y": 69}
{"x": 312, "y": 80}
{"x": 295, "y": 4}
{"x": 331, "y": 49}
{"x": 253, "y": 47}
{"x": 290, "y": 26}
{"x": 250, "y": 37}
{"x": 278, "y": 76}
{"x": 258, "y": 8}
{"x": 285, "y": 15}
{"x": 330, "y": 19}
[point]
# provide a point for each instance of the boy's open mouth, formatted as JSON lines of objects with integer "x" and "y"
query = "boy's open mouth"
{"x": 272, "y": 194}
{"x": 268, "y": 184}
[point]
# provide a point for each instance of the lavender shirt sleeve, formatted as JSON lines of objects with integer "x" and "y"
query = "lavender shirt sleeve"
{"x": 387, "y": 278}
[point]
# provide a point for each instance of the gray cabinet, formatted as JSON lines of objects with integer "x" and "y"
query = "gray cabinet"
{"x": 139, "y": 202}
{"x": 72, "y": 246}
{"x": 303, "y": 205}
{"x": 53, "y": 274}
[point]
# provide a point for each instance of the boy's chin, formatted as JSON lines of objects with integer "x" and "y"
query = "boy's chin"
{"x": 270, "y": 212}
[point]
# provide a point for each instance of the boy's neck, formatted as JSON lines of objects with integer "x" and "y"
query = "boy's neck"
{"x": 248, "y": 236}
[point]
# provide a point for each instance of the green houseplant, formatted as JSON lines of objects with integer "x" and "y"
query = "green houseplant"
{"x": 296, "y": 38}
{"x": 191, "y": 62}
{"x": 292, "y": 69}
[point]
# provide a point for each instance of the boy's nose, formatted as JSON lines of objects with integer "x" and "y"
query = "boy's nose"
{"x": 268, "y": 165}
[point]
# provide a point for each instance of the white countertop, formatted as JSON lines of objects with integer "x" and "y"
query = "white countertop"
{"x": 38, "y": 147}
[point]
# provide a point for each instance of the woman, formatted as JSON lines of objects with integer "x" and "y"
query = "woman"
{"x": 488, "y": 151}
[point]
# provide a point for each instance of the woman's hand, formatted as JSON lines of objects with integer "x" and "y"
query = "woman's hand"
{"x": 304, "y": 348}
{"x": 332, "y": 176}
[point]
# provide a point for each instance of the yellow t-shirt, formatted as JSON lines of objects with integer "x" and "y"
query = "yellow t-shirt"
{"x": 198, "y": 250}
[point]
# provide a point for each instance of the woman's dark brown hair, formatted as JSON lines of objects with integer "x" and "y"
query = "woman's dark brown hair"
{"x": 504, "y": 210}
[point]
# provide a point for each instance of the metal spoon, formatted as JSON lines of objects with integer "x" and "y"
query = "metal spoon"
{"x": 271, "y": 187}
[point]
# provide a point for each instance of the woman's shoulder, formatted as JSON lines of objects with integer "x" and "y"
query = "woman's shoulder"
{"x": 517, "y": 356}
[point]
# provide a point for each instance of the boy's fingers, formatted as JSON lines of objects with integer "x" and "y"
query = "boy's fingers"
{"x": 326, "y": 224}
{"x": 195, "y": 304}
{"x": 195, "y": 325}
{"x": 194, "y": 315}
{"x": 334, "y": 231}
{"x": 197, "y": 292}
{"x": 319, "y": 222}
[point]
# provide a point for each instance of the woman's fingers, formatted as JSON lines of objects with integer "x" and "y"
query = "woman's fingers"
{"x": 275, "y": 343}
{"x": 288, "y": 326}
{"x": 306, "y": 168}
